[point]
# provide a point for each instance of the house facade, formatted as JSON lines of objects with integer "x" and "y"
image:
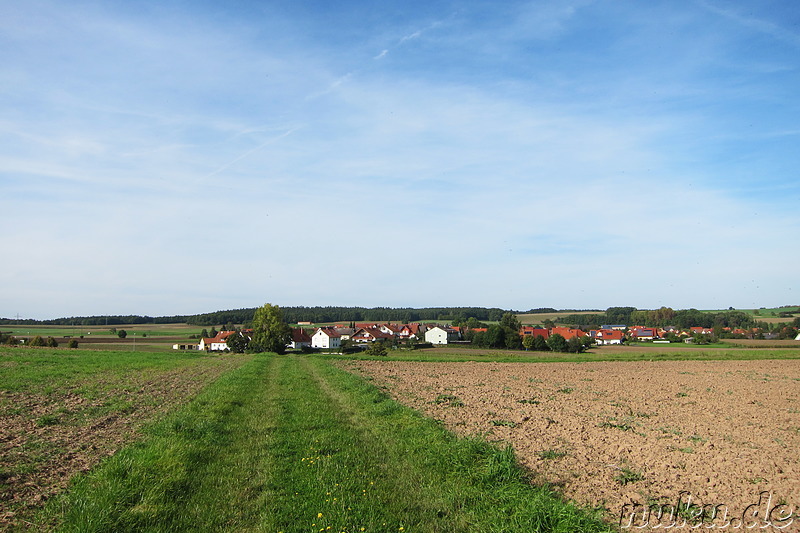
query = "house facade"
{"x": 326, "y": 338}
{"x": 441, "y": 335}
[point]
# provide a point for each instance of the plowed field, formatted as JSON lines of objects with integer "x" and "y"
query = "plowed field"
{"x": 608, "y": 434}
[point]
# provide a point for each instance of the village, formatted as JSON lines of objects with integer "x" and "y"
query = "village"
{"x": 361, "y": 335}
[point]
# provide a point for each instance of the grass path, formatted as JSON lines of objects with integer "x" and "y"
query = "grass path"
{"x": 295, "y": 444}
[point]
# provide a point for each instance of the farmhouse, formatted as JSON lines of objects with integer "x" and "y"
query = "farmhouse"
{"x": 442, "y": 335}
{"x": 216, "y": 344}
{"x": 327, "y": 338}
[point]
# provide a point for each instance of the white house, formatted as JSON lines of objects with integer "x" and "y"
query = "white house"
{"x": 300, "y": 339}
{"x": 326, "y": 338}
{"x": 441, "y": 335}
{"x": 215, "y": 344}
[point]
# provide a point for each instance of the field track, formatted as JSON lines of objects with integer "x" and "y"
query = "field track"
{"x": 294, "y": 444}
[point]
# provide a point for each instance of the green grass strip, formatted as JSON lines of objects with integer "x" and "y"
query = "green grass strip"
{"x": 295, "y": 444}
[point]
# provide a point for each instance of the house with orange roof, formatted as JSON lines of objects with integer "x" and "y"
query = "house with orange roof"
{"x": 607, "y": 336}
{"x": 567, "y": 333}
{"x": 533, "y": 331}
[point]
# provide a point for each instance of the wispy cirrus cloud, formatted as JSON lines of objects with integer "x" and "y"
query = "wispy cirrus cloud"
{"x": 542, "y": 145}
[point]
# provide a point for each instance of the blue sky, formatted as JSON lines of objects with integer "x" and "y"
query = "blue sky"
{"x": 181, "y": 157}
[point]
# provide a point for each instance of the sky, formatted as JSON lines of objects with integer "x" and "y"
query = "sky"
{"x": 177, "y": 157}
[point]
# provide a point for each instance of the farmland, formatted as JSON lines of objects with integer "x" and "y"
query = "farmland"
{"x": 267, "y": 443}
{"x": 155, "y": 441}
{"x": 609, "y": 434}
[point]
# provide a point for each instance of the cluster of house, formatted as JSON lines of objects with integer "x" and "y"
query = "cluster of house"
{"x": 332, "y": 337}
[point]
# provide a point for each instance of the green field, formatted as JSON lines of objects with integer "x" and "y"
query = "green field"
{"x": 182, "y": 441}
{"x": 267, "y": 443}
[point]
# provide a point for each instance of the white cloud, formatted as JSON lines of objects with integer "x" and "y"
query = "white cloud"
{"x": 285, "y": 168}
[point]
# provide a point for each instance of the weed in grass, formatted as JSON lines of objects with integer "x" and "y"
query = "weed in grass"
{"x": 693, "y": 513}
{"x": 688, "y": 449}
{"x": 506, "y": 423}
{"x": 531, "y": 401}
{"x": 627, "y": 475}
{"x": 552, "y": 454}
{"x": 48, "y": 420}
{"x": 613, "y": 423}
{"x": 450, "y": 399}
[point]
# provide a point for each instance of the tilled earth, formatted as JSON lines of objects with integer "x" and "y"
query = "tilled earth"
{"x": 607, "y": 434}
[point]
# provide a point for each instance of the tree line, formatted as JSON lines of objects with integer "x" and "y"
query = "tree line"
{"x": 664, "y": 316}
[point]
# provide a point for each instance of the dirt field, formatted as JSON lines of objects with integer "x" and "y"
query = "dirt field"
{"x": 609, "y": 434}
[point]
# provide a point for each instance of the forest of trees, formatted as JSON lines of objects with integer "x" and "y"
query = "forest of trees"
{"x": 354, "y": 314}
{"x": 663, "y": 316}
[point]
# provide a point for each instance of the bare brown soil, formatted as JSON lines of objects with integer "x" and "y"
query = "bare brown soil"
{"x": 45, "y": 440}
{"x": 613, "y": 433}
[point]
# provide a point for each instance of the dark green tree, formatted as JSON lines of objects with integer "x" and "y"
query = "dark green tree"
{"x": 557, "y": 343}
{"x": 540, "y": 344}
{"x": 270, "y": 332}
{"x": 73, "y": 343}
{"x": 204, "y": 334}
{"x": 36, "y": 341}
{"x": 510, "y": 321}
{"x": 479, "y": 339}
{"x": 377, "y": 348}
{"x": 575, "y": 345}
{"x": 51, "y": 342}
{"x": 237, "y": 343}
{"x": 512, "y": 339}
{"x": 122, "y": 334}
{"x": 495, "y": 336}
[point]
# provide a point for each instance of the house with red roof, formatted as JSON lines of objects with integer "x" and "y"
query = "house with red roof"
{"x": 300, "y": 339}
{"x": 327, "y": 338}
{"x": 567, "y": 333}
{"x": 639, "y": 333}
{"x": 371, "y": 334}
{"x": 216, "y": 344}
{"x": 607, "y": 336}
{"x": 534, "y": 331}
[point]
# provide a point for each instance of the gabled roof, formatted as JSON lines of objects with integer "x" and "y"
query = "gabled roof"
{"x": 300, "y": 335}
{"x": 373, "y": 332}
{"x": 330, "y": 332}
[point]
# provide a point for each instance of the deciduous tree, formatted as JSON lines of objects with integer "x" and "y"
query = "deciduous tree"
{"x": 270, "y": 332}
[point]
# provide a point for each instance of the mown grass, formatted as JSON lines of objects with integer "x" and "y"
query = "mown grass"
{"x": 294, "y": 444}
